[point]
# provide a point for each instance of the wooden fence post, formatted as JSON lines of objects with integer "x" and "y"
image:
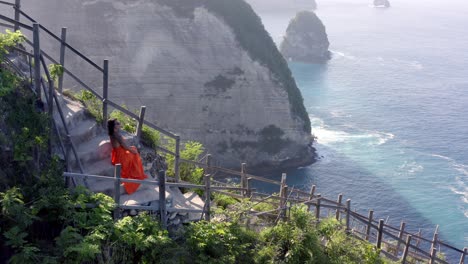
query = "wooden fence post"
{"x": 400, "y": 236}
{"x": 162, "y": 198}
{"x": 281, "y": 194}
{"x": 177, "y": 159}
{"x": 462, "y": 258}
{"x": 117, "y": 176}
{"x": 105, "y": 91}
{"x": 337, "y": 213}
{"x": 379, "y": 236}
{"x": 434, "y": 245}
{"x": 51, "y": 115}
{"x": 249, "y": 191}
{"x": 62, "y": 57}
{"x": 243, "y": 179}
{"x": 433, "y": 256}
{"x": 368, "y": 228}
{"x": 207, "y": 197}
{"x": 419, "y": 235}
{"x": 17, "y": 14}
{"x": 406, "y": 250}
{"x": 348, "y": 213}
{"x": 311, "y": 196}
{"x": 317, "y": 207}
{"x": 37, "y": 61}
{"x": 285, "y": 201}
{"x": 141, "y": 120}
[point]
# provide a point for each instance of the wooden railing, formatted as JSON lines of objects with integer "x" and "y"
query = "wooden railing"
{"x": 395, "y": 243}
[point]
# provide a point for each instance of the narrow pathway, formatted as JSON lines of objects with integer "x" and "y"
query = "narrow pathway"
{"x": 94, "y": 151}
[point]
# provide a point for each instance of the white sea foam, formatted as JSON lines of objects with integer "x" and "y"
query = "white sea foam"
{"x": 327, "y": 136}
{"x": 343, "y": 55}
{"x": 410, "y": 64}
{"x": 410, "y": 168}
{"x": 442, "y": 157}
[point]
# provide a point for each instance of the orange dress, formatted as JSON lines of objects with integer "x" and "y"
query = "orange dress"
{"x": 131, "y": 168}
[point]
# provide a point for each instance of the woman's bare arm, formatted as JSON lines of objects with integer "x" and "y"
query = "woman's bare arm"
{"x": 124, "y": 144}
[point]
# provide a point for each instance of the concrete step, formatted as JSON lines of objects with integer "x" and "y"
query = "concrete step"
{"x": 73, "y": 112}
{"x": 86, "y": 130}
{"x": 144, "y": 195}
{"x": 97, "y": 148}
{"x": 102, "y": 167}
{"x": 188, "y": 200}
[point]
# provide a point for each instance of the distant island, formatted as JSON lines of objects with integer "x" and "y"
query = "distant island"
{"x": 381, "y": 3}
{"x": 306, "y": 39}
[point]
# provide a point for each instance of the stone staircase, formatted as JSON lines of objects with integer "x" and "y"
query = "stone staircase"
{"x": 93, "y": 148}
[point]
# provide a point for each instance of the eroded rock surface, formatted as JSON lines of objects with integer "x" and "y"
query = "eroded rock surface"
{"x": 306, "y": 39}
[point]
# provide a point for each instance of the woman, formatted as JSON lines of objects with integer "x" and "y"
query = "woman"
{"x": 126, "y": 155}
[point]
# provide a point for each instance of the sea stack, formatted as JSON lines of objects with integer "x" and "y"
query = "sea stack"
{"x": 381, "y": 3}
{"x": 306, "y": 39}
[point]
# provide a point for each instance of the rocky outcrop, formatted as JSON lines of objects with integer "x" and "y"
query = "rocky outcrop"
{"x": 199, "y": 74}
{"x": 306, "y": 39}
{"x": 381, "y": 3}
{"x": 282, "y": 6}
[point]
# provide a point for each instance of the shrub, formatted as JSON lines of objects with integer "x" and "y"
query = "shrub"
{"x": 223, "y": 242}
{"x": 295, "y": 241}
{"x": 92, "y": 103}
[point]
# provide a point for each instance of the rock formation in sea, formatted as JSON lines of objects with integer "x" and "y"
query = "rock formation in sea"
{"x": 382, "y": 3}
{"x": 205, "y": 69}
{"x": 306, "y": 39}
{"x": 282, "y": 5}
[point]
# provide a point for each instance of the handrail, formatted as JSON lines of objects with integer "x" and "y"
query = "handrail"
{"x": 61, "y": 116}
{"x": 16, "y": 22}
{"x": 7, "y": 3}
{"x": 7, "y": 25}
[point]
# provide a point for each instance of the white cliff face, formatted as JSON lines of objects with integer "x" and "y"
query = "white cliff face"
{"x": 190, "y": 73}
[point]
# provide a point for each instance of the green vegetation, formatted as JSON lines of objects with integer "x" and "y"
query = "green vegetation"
{"x": 55, "y": 71}
{"x": 92, "y": 103}
{"x": 10, "y": 39}
{"x": 188, "y": 172}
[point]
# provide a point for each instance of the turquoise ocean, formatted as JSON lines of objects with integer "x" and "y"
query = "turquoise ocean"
{"x": 390, "y": 111}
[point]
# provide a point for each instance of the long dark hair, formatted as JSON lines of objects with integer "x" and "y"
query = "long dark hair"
{"x": 111, "y": 126}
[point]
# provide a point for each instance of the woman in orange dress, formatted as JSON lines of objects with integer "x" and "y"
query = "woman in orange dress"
{"x": 127, "y": 156}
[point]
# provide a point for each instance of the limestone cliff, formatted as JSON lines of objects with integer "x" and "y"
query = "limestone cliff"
{"x": 306, "y": 39}
{"x": 206, "y": 70}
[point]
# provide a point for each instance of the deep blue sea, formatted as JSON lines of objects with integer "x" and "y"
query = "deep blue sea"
{"x": 390, "y": 111}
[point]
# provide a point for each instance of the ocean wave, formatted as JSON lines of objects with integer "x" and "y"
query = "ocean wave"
{"x": 410, "y": 168}
{"x": 410, "y": 64}
{"x": 327, "y": 136}
{"x": 442, "y": 157}
{"x": 342, "y": 54}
